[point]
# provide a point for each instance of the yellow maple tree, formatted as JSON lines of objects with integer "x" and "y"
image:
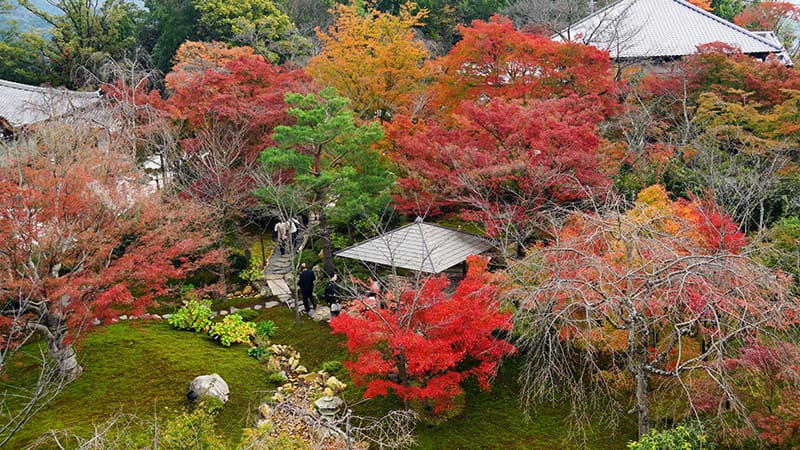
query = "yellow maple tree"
{"x": 372, "y": 58}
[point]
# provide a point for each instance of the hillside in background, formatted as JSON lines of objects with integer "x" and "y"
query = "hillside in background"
{"x": 24, "y": 19}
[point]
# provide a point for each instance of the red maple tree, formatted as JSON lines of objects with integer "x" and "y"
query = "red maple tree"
{"x": 425, "y": 342}
{"x": 494, "y": 61}
{"x": 83, "y": 240}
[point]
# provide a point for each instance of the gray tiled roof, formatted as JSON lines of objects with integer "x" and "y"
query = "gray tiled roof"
{"x": 21, "y": 104}
{"x": 418, "y": 246}
{"x": 662, "y": 28}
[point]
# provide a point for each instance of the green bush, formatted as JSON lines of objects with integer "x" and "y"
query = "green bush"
{"x": 266, "y": 329}
{"x": 310, "y": 257}
{"x": 232, "y": 329}
{"x": 258, "y": 352}
{"x": 683, "y": 437}
{"x": 193, "y": 430}
{"x": 194, "y": 315}
{"x": 332, "y": 366}
{"x": 276, "y": 378}
{"x": 255, "y": 267}
{"x": 248, "y": 315}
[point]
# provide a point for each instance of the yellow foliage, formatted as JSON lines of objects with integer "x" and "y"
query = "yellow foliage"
{"x": 372, "y": 58}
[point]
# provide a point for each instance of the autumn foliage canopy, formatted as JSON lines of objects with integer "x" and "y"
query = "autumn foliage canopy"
{"x": 425, "y": 342}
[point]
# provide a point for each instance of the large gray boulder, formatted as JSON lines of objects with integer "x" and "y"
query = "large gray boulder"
{"x": 208, "y": 385}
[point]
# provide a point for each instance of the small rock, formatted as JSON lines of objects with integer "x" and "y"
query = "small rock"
{"x": 287, "y": 388}
{"x": 123, "y": 317}
{"x": 234, "y": 309}
{"x": 301, "y": 369}
{"x": 166, "y": 316}
{"x": 310, "y": 378}
{"x": 273, "y": 365}
{"x": 247, "y": 290}
{"x": 212, "y": 385}
{"x": 223, "y": 313}
{"x": 334, "y": 384}
{"x": 257, "y": 307}
{"x": 264, "y": 411}
{"x": 277, "y": 397}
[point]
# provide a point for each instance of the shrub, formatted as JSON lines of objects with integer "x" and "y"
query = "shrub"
{"x": 276, "y": 378}
{"x": 232, "y": 329}
{"x": 248, "y": 315}
{"x": 332, "y": 366}
{"x": 685, "y": 437}
{"x": 257, "y": 352}
{"x": 192, "y": 430}
{"x": 194, "y": 315}
{"x": 255, "y": 267}
{"x": 266, "y": 329}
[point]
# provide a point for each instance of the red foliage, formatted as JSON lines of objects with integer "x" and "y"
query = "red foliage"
{"x": 727, "y": 72}
{"x": 495, "y": 61}
{"x": 766, "y": 379}
{"x": 247, "y": 94}
{"x": 429, "y": 340}
{"x": 83, "y": 238}
{"x": 501, "y": 161}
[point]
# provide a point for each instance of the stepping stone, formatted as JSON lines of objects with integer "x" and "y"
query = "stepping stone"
{"x": 123, "y": 317}
{"x": 271, "y": 305}
{"x": 279, "y": 287}
{"x": 257, "y": 307}
{"x": 166, "y": 316}
{"x": 234, "y": 309}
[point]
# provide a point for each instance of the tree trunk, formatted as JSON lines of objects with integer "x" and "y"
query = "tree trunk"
{"x": 64, "y": 354}
{"x": 325, "y": 237}
{"x": 642, "y": 404}
{"x": 66, "y": 358}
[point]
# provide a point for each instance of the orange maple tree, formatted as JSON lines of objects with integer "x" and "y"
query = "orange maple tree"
{"x": 660, "y": 291}
{"x": 372, "y": 58}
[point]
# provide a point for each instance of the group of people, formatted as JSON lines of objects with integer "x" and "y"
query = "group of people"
{"x": 284, "y": 231}
{"x": 332, "y": 293}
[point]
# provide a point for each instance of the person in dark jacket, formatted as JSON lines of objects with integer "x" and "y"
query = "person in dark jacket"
{"x": 306, "y": 283}
{"x": 332, "y": 295}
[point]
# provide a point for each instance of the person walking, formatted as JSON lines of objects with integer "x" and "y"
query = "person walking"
{"x": 332, "y": 295}
{"x": 283, "y": 235}
{"x": 306, "y": 283}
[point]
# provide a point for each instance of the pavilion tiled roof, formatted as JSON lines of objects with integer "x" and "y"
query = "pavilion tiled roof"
{"x": 642, "y": 29}
{"x": 418, "y": 246}
{"x": 21, "y": 104}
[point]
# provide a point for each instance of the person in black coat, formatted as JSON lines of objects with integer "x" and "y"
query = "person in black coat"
{"x": 332, "y": 295}
{"x": 306, "y": 283}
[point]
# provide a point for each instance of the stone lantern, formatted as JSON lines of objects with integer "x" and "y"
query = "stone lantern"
{"x": 327, "y": 406}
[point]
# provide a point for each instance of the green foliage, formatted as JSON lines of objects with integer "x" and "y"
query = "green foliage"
{"x": 266, "y": 328}
{"x": 85, "y": 34}
{"x": 783, "y": 246}
{"x": 310, "y": 256}
{"x": 248, "y": 315}
{"x": 255, "y": 267}
{"x": 21, "y": 61}
{"x": 232, "y": 329}
{"x": 258, "y": 352}
{"x": 332, "y": 366}
{"x": 683, "y": 437}
{"x": 194, "y": 315}
{"x": 276, "y": 378}
{"x": 194, "y": 430}
{"x": 727, "y": 9}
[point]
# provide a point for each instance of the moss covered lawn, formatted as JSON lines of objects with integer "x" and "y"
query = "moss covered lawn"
{"x": 144, "y": 368}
